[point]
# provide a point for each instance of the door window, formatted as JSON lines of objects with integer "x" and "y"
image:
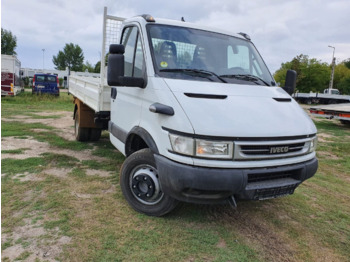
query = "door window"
{"x": 133, "y": 56}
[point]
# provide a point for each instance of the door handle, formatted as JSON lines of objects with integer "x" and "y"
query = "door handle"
{"x": 113, "y": 93}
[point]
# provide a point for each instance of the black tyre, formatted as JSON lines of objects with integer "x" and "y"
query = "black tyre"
{"x": 95, "y": 134}
{"x": 345, "y": 122}
{"x": 81, "y": 134}
{"x": 140, "y": 185}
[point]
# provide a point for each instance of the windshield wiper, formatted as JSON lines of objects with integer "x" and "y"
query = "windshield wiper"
{"x": 251, "y": 78}
{"x": 198, "y": 72}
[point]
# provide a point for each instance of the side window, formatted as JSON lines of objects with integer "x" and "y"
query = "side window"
{"x": 133, "y": 55}
{"x": 138, "y": 59}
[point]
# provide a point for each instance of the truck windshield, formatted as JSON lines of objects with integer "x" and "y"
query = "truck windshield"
{"x": 186, "y": 53}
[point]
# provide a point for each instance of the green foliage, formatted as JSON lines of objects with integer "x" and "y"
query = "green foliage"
{"x": 344, "y": 86}
{"x": 72, "y": 57}
{"x": 26, "y": 81}
{"x": 347, "y": 63}
{"x": 342, "y": 78}
{"x": 97, "y": 68}
{"x": 87, "y": 66}
{"x": 313, "y": 75}
{"x": 60, "y": 81}
{"x": 8, "y": 42}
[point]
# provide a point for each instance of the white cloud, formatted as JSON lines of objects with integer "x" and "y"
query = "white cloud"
{"x": 281, "y": 30}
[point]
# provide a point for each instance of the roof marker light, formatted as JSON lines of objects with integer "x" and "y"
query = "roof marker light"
{"x": 148, "y": 18}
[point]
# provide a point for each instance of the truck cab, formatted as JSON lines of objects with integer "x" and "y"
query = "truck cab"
{"x": 331, "y": 91}
{"x": 200, "y": 118}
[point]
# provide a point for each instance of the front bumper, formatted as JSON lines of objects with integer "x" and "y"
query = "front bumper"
{"x": 214, "y": 185}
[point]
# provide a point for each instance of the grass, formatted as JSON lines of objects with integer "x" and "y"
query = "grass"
{"x": 26, "y": 103}
{"x": 91, "y": 212}
{"x": 14, "y": 151}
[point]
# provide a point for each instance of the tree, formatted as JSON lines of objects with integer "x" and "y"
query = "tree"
{"x": 87, "y": 66}
{"x": 8, "y": 42}
{"x": 72, "y": 57}
{"x": 312, "y": 75}
{"x": 347, "y": 63}
{"x": 342, "y": 78}
{"x": 97, "y": 68}
{"x": 344, "y": 86}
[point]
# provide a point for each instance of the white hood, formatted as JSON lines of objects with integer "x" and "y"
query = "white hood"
{"x": 247, "y": 110}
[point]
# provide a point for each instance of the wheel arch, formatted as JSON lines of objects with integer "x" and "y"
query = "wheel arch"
{"x": 137, "y": 139}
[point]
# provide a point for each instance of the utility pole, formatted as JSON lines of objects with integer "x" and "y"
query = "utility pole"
{"x": 43, "y": 58}
{"x": 332, "y": 75}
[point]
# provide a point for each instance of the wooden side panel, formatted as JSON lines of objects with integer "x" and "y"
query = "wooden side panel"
{"x": 86, "y": 114}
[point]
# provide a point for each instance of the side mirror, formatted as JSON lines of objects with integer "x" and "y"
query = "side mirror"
{"x": 115, "y": 72}
{"x": 291, "y": 80}
{"x": 115, "y": 65}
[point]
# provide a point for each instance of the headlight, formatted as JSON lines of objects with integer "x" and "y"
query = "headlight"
{"x": 201, "y": 148}
{"x": 213, "y": 149}
{"x": 313, "y": 144}
{"x": 181, "y": 144}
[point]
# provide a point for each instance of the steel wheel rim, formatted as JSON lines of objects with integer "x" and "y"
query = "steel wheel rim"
{"x": 144, "y": 185}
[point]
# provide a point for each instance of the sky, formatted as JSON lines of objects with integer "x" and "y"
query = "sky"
{"x": 280, "y": 29}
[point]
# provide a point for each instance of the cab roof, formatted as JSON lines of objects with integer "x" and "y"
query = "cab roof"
{"x": 142, "y": 19}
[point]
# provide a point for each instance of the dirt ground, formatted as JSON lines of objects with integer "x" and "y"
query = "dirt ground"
{"x": 33, "y": 233}
{"x": 275, "y": 245}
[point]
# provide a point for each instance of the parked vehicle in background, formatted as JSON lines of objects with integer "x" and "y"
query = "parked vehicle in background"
{"x": 329, "y": 96}
{"x": 10, "y": 75}
{"x": 338, "y": 111}
{"x": 331, "y": 91}
{"x": 197, "y": 114}
{"x": 45, "y": 84}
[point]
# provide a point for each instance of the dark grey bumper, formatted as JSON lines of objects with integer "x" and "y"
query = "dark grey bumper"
{"x": 212, "y": 185}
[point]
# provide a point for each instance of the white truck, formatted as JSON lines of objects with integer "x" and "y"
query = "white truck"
{"x": 197, "y": 114}
{"x": 10, "y": 75}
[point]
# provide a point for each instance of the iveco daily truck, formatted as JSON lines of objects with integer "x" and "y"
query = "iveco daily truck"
{"x": 197, "y": 114}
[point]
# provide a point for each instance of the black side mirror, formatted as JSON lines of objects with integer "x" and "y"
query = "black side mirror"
{"x": 115, "y": 65}
{"x": 115, "y": 72}
{"x": 291, "y": 80}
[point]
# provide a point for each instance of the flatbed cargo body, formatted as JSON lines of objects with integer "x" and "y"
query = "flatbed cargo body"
{"x": 91, "y": 92}
{"x": 319, "y": 98}
{"x": 337, "y": 111}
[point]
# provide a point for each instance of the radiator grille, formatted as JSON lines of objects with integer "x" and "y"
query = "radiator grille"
{"x": 267, "y": 149}
{"x": 263, "y": 150}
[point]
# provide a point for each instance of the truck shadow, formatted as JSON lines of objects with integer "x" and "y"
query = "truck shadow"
{"x": 250, "y": 221}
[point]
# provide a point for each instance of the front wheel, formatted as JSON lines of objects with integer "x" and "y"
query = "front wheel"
{"x": 140, "y": 185}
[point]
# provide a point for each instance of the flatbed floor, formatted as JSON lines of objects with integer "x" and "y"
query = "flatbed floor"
{"x": 337, "y": 111}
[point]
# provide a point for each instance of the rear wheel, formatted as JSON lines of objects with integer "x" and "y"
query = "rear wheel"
{"x": 81, "y": 134}
{"x": 141, "y": 187}
{"x": 95, "y": 134}
{"x": 345, "y": 122}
